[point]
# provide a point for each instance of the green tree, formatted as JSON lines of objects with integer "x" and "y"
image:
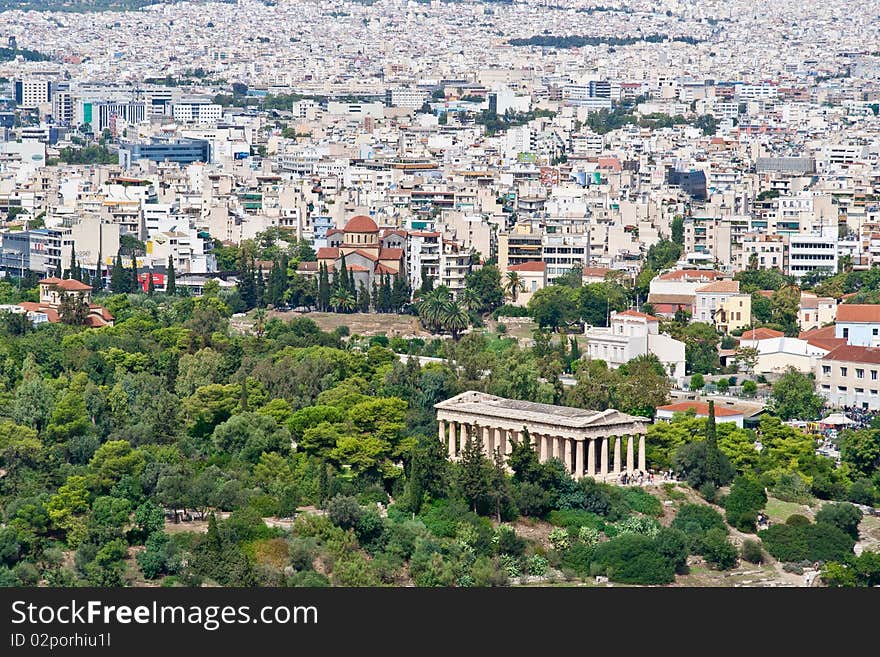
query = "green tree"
{"x": 842, "y": 515}
{"x": 794, "y": 397}
{"x": 473, "y": 471}
{"x": 486, "y": 284}
{"x": 171, "y": 281}
{"x": 554, "y": 306}
{"x": 678, "y": 230}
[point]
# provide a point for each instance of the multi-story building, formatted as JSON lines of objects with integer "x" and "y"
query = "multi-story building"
{"x": 201, "y": 113}
{"x": 633, "y": 334}
{"x": 808, "y": 253}
{"x": 858, "y": 324}
{"x": 30, "y": 93}
{"x": 850, "y": 376}
{"x": 709, "y": 299}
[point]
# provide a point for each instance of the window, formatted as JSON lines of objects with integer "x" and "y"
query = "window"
{"x": 860, "y": 391}
{"x": 843, "y": 371}
{"x": 873, "y": 331}
{"x": 860, "y": 373}
{"x": 873, "y": 393}
{"x": 873, "y": 375}
{"x": 825, "y": 386}
{"x": 841, "y": 388}
{"x": 826, "y": 370}
{"x": 846, "y": 332}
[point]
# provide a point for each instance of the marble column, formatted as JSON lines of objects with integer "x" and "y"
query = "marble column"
{"x": 502, "y": 440}
{"x": 462, "y": 437}
{"x": 617, "y": 464}
{"x": 541, "y": 447}
{"x": 487, "y": 442}
{"x": 604, "y": 466}
{"x": 591, "y": 457}
{"x": 568, "y": 452}
{"x": 579, "y": 459}
{"x": 642, "y": 453}
{"x": 630, "y": 439}
{"x": 508, "y": 440}
{"x": 493, "y": 439}
{"x": 447, "y": 437}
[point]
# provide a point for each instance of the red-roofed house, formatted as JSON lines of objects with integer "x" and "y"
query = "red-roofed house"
{"x": 858, "y": 324}
{"x": 532, "y": 277}
{"x": 701, "y": 410}
{"x": 633, "y": 334}
{"x": 53, "y": 292}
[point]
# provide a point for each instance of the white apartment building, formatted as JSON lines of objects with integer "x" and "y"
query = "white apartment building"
{"x": 201, "y": 113}
{"x": 33, "y": 92}
{"x": 709, "y": 298}
{"x": 762, "y": 251}
{"x": 633, "y": 334}
{"x": 808, "y": 253}
{"x": 404, "y": 97}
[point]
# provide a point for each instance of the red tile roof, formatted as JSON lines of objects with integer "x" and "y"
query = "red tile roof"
{"x": 382, "y": 269}
{"x": 691, "y": 275}
{"x": 700, "y": 408}
{"x": 852, "y": 354}
{"x": 822, "y": 338}
{"x": 858, "y": 313}
{"x": 361, "y": 224}
{"x": 596, "y": 272}
{"x": 390, "y": 254}
{"x": 719, "y": 286}
{"x": 356, "y": 268}
{"x": 328, "y": 253}
{"x": 636, "y": 313}
{"x": 67, "y": 284}
{"x": 531, "y": 265}
{"x": 761, "y": 334}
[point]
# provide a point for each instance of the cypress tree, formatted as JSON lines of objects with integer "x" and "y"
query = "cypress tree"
{"x": 375, "y": 295}
{"x": 323, "y": 287}
{"x": 171, "y": 283}
{"x": 259, "y": 287}
{"x": 351, "y": 286}
{"x": 339, "y": 277}
{"x": 151, "y": 288}
{"x": 363, "y": 298}
{"x": 397, "y": 293}
{"x": 575, "y": 354}
{"x": 74, "y": 268}
{"x": 427, "y": 281}
{"x": 119, "y": 280}
{"x": 713, "y": 458}
{"x": 135, "y": 283}
{"x": 246, "y": 284}
{"x": 385, "y": 295}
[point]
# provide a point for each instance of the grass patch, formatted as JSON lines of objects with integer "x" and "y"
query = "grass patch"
{"x": 575, "y": 518}
{"x": 779, "y": 511}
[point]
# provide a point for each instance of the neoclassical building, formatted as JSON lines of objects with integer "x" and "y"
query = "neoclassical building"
{"x": 599, "y": 444}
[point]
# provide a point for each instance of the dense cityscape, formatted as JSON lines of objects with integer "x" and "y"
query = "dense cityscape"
{"x": 439, "y": 293}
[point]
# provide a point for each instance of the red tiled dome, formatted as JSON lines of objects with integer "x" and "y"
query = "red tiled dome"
{"x": 361, "y": 224}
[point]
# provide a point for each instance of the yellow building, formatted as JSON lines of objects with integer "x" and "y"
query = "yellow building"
{"x": 734, "y": 312}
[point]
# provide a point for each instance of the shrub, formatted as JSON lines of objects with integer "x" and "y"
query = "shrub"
{"x": 342, "y": 330}
{"x": 862, "y": 491}
{"x": 822, "y": 542}
{"x": 575, "y": 518}
{"x": 588, "y": 536}
{"x": 694, "y": 520}
{"x": 749, "y": 387}
{"x": 509, "y": 542}
{"x": 641, "y": 501}
{"x": 791, "y": 487}
{"x": 673, "y": 545}
{"x": 501, "y": 328}
{"x": 742, "y": 504}
{"x": 559, "y": 539}
{"x": 344, "y": 511}
{"x": 632, "y": 559}
{"x": 797, "y": 520}
{"x": 844, "y": 516}
{"x": 578, "y": 559}
{"x": 638, "y": 525}
{"x": 718, "y": 550}
{"x": 751, "y": 551}
{"x": 536, "y": 565}
{"x": 708, "y": 491}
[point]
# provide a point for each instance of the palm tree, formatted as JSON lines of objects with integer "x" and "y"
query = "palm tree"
{"x": 260, "y": 322}
{"x": 454, "y": 318}
{"x": 469, "y": 299}
{"x": 431, "y": 307}
{"x": 343, "y": 301}
{"x": 514, "y": 285}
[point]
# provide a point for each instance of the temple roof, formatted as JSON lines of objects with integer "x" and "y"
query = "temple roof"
{"x": 480, "y": 403}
